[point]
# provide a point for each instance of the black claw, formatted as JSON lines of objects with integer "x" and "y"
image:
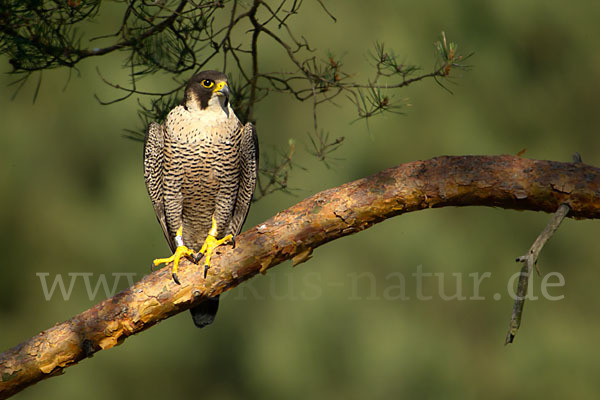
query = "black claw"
{"x": 198, "y": 257}
{"x": 176, "y": 279}
{"x": 152, "y": 266}
{"x": 233, "y": 242}
{"x": 205, "y": 270}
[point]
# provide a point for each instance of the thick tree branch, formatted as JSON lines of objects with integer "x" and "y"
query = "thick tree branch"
{"x": 497, "y": 181}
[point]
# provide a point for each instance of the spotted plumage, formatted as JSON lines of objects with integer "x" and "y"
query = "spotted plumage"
{"x": 200, "y": 169}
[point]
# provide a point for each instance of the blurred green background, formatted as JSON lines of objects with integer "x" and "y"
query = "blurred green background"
{"x": 72, "y": 199}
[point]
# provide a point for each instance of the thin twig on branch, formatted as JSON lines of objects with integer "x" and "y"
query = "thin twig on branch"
{"x": 497, "y": 181}
{"x": 530, "y": 261}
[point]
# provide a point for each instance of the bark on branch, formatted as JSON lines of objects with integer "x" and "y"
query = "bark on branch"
{"x": 497, "y": 181}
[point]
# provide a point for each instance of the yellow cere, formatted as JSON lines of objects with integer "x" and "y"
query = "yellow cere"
{"x": 220, "y": 86}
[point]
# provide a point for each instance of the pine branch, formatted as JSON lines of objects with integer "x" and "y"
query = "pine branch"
{"x": 496, "y": 181}
{"x": 180, "y": 37}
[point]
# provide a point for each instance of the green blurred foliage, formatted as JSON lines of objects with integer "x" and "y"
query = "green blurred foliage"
{"x": 72, "y": 199}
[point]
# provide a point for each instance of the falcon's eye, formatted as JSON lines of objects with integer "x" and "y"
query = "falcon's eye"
{"x": 207, "y": 83}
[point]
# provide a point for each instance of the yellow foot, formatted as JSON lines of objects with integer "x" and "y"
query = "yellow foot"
{"x": 180, "y": 251}
{"x": 210, "y": 244}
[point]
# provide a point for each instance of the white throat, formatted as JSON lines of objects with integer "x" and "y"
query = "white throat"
{"x": 216, "y": 105}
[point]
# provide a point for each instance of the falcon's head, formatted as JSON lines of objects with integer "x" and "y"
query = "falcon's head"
{"x": 207, "y": 89}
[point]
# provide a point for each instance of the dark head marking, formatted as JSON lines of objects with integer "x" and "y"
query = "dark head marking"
{"x": 201, "y": 86}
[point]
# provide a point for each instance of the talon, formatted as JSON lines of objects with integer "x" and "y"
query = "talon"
{"x": 198, "y": 257}
{"x": 180, "y": 251}
{"x": 210, "y": 244}
{"x": 233, "y": 242}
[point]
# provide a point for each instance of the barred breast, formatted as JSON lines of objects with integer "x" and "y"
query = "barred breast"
{"x": 202, "y": 158}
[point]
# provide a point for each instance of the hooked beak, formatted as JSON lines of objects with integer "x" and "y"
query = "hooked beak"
{"x": 222, "y": 88}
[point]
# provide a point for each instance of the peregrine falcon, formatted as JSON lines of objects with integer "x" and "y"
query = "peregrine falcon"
{"x": 200, "y": 169}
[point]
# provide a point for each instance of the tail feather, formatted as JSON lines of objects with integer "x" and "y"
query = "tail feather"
{"x": 204, "y": 313}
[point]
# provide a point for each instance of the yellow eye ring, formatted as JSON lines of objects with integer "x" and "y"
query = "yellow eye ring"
{"x": 207, "y": 83}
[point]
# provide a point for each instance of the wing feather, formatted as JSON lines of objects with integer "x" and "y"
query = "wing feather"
{"x": 248, "y": 174}
{"x": 153, "y": 174}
